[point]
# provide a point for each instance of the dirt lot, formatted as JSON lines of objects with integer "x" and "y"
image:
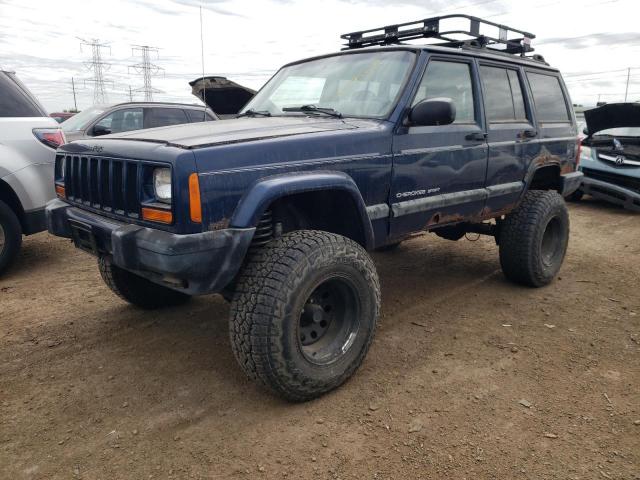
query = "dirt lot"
{"x": 469, "y": 376}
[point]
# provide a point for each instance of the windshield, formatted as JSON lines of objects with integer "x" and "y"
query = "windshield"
{"x": 357, "y": 85}
{"x": 620, "y": 132}
{"x": 80, "y": 120}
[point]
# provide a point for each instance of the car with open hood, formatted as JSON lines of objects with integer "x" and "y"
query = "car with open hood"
{"x": 610, "y": 155}
{"x": 336, "y": 156}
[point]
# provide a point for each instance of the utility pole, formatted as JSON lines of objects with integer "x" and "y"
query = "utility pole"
{"x": 73, "y": 87}
{"x": 130, "y": 94}
{"x": 98, "y": 67}
{"x": 147, "y": 69}
{"x": 626, "y": 92}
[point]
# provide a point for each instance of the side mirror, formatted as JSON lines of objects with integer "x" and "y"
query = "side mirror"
{"x": 434, "y": 111}
{"x": 100, "y": 130}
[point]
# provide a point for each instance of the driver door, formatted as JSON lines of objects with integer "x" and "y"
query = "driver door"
{"x": 439, "y": 172}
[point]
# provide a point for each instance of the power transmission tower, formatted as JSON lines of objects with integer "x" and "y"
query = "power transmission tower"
{"x": 98, "y": 67}
{"x": 147, "y": 69}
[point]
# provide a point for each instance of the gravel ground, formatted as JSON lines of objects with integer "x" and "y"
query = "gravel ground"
{"x": 469, "y": 377}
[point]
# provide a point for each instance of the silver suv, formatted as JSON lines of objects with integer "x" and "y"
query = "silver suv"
{"x": 28, "y": 139}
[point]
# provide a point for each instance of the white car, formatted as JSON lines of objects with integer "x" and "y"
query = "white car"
{"x": 28, "y": 139}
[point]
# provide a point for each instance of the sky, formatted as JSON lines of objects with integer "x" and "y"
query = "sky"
{"x": 593, "y": 42}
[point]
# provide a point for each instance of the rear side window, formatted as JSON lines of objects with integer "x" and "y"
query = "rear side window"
{"x": 161, "y": 117}
{"x": 449, "y": 80}
{"x": 548, "y": 97}
{"x": 503, "y": 97}
{"x": 15, "y": 99}
{"x": 198, "y": 116}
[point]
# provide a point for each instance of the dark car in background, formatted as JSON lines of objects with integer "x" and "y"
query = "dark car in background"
{"x": 125, "y": 117}
{"x": 610, "y": 155}
{"x": 61, "y": 116}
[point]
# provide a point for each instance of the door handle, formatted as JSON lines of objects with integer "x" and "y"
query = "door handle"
{"x": 529, "y": 134}
{"x": 476, "y": 137}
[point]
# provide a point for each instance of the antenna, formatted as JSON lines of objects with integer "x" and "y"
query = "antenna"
{"x": 204, "y": 85}
{"x": 147, "y": 69}
{"x": 98, "y": 67}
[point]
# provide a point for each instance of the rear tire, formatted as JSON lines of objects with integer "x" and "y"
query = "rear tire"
{"x": 304, "y": 313}
{"x": 136, "y": 290}
{"x": 533, "y": 239}
{"x": 10, "y": 237}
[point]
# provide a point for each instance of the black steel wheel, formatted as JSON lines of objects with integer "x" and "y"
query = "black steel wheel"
{"x": 304, "y": 313}
{"x": 533, "y": 239}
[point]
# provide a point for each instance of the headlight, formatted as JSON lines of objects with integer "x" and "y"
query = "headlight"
{"x": 162, "y": 184}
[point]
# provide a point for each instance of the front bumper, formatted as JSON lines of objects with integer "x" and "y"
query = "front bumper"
{"x": 194, "y": 264}
{"x": 611, "y": 193}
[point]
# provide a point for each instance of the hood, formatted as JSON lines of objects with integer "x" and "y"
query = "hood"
{"x": 612, "y": 115}
{"x": 221, "y": 95}
{"x": 193, "y": 135}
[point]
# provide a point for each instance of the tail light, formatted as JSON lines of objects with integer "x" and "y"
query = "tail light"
{"x": 578, "y": 152}
{"x": 51, "y": 137}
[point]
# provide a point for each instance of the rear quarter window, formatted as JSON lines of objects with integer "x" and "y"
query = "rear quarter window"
{"x": 15, "y": 99}
{"x": 548, "y": 97}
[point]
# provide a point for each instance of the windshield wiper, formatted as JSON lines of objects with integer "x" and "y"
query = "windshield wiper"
{"x": 252, "y": 113}
{"x": 314, "y": 109}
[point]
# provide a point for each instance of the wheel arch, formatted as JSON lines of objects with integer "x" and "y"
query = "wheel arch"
{"x": 10, "y": 197}
{"x": 545, "y": 177}
{"x": 313, "y": 195}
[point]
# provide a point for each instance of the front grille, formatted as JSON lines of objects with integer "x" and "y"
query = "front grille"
{"x": 102, "y": 183}
{"x": 614, "y": 178}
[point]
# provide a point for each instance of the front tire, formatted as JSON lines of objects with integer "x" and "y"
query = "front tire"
{"x": 533, "y": 239}
{"x": 10, "y": 237}
{"x": 304, "y": 313}
{"x": 136, "y": 290}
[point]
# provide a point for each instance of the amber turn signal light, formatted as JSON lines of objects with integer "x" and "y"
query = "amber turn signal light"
{"x": 60, "y": 191}
{"x": 195, "y": 206}
{"x": 155, "y": 215}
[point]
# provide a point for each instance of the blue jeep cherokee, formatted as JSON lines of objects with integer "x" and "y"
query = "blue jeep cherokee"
{"x": 334, "y": 157}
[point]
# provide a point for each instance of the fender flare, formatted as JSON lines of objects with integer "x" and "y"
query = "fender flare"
{"x": 268, "y": 189}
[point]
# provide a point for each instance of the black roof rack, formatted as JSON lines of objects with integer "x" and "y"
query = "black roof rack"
{"x": 431, "y": 28}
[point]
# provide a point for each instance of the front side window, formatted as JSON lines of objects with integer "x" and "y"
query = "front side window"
{"x": 123, "y": 120}
{"x": 503, "y": 97}
{"x": 548, "y": 98}
{"x": 452, "y": 80}
{"x": 359, "y": 85}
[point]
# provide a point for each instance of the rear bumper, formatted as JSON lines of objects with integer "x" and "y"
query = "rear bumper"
{"x": 611, "y": 193}
{"x": 570, "y": 182}
{"x": 194, "y": 264}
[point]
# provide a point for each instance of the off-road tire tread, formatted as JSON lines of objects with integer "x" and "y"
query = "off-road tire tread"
{"x": 259, "y": 299}
{"x": 520, "y": 261}
{"x": 136, "y": 290}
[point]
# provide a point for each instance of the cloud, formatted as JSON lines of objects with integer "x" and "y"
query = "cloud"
{"x": 209, "y": 5}
{"x": 595, "y": 39}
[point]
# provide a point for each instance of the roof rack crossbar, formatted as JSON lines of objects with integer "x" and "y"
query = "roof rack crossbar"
{"x": 430, "y": 28}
